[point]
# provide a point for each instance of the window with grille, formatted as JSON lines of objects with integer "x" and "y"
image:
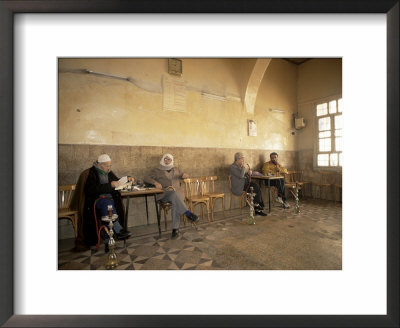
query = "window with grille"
{"x": 330, "y": 133}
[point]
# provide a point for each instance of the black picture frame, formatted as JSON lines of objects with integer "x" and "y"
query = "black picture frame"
{"x": 10, "y": 7}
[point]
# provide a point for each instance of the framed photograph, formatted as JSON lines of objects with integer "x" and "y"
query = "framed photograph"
{"x": 15, "y": 310}
{"x": 252, "y": 126}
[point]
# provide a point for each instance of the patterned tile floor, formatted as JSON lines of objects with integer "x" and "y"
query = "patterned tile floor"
{"x": 229, "y": 243}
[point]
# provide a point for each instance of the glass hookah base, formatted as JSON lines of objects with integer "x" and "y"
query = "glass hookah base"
{"x": 112, "y": 261}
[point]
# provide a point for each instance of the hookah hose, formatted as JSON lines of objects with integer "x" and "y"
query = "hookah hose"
{"x": 248, "y": 186}
{"x": 95, "y": 220}
{"x": 249, "y": 178}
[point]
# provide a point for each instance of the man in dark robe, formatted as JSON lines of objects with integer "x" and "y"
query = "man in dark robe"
{"x": 95, "y": 191}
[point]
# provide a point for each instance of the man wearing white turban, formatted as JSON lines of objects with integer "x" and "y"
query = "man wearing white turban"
{"x": 162, "y": 177}
{"x": 95, "y": 190}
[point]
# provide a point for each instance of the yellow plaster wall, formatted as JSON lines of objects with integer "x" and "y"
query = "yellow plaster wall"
{"x": 278, "y": 90}
{"x": 105, "y": 111}
{"x": 317, "y": 79}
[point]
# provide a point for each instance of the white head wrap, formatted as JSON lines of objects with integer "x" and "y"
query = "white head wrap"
{"x": 103, "y": 158}
{"x": 170, "y": 165}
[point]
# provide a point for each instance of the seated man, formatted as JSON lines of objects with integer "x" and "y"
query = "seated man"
{"x": 241, "y": 181}
{"x": 162, "y": 177}
{"x": 95, "y": 191}
{"x": 271, "y": 168}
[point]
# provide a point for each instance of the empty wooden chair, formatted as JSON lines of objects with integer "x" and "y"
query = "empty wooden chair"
{"x": 298, "y": 177}
{"x": 64, "y": 201}
{"x": 338, "y": 187}
{"x": 240, "y": 197}
{"x": 289, "y": 181}
{"x": 338, "y": 192}
{"x": 324, "y": 183}
{"x": 209, "y": 190}
{"x": 194, "y": 195}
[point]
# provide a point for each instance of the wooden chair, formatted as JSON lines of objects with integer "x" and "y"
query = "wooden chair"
{"x": 289, "y": 181}
{"x": 209, "y": 190}
{"x": 194, "y": 195}
{"x": 298, "y": 177}
{"x": 325, "y": 183}
{"x": 164, "y": 207}
{"x": 338, "y": 192}
{"x": 240, "y": 197}
{"x": 338, "y": 188}
{"x": 64, "y": 201}
{"x": 274, "y": 196}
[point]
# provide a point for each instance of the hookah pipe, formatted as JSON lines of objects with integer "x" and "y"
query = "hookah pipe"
{"x": 295, "y": 194}
{"x": 247, "y": 198}
{"x": 112, "y": 258}
{"x": 249, "y": 177}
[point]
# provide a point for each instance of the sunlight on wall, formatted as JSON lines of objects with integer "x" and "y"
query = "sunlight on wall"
{"x": 102, "y": 110}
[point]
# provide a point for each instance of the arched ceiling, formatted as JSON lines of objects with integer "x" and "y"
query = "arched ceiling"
{"x": 254, "y": 82}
